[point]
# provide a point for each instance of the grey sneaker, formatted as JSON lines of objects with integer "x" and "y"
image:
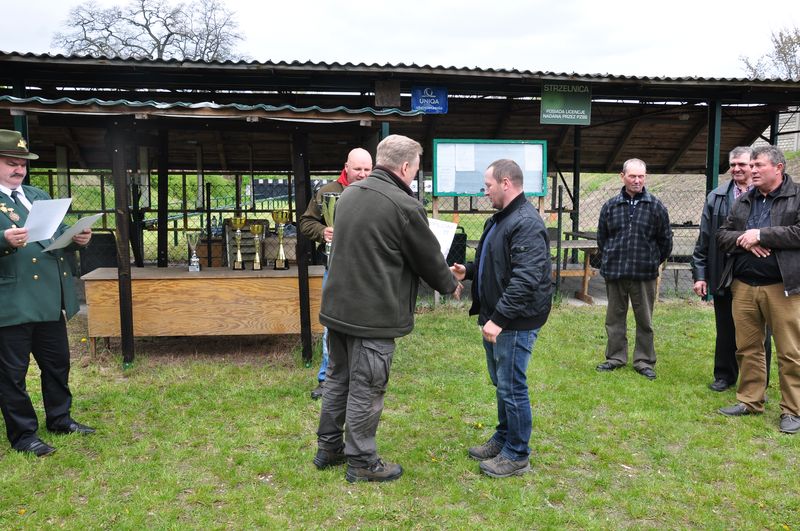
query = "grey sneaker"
{"x": 487, "y": 450}
{"x": 377, "y": 471}
{"x": 327, "y": 458}
{"x": 502, "y": 467}
{"x": 790, "y": 423}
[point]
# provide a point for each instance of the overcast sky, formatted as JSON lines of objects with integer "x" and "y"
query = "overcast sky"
{"x": 619, "y": 37}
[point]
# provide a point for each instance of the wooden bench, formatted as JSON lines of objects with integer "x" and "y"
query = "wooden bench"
{"x": 589, "y": 248}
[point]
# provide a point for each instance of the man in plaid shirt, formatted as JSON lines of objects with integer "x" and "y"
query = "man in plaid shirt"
{"x": 634, "y": 238}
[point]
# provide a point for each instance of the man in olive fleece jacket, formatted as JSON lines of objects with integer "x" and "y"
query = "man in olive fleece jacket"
{"x": 383, "y": 246}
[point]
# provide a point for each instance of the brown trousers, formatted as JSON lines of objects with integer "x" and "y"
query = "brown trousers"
{"x": 755, "y": 308}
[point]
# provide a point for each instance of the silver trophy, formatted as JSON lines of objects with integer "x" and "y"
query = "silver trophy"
{"x": 193, "y": 238}
{"x": 329, "y": 200}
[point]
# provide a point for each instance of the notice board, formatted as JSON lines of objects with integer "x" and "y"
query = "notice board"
{"x": 459, "y": 165}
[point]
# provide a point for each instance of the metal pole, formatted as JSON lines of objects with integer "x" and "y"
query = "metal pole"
{"x": 209, "y": 259}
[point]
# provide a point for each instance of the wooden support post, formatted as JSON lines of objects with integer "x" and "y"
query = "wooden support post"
{"x": 576, "y": 187}
{"x": 712, "y": 146}
{"x": 21, "y": 120}
{"x": 62, "y": 172}
{"x": 774, "y": 128}
{"x": 121, "y": 200}
{"x": 163, "y": 196}
{"x": 302, "y": 194}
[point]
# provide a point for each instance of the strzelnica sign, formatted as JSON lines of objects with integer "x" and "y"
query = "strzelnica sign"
{"x": 566, "y": 103}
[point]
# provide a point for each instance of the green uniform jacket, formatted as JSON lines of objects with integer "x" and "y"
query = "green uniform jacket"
{"x": 34, "y": 285}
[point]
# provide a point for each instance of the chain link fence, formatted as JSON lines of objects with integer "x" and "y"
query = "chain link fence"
{"x": 683, "y": 195}
{"x": 205, "y": 205}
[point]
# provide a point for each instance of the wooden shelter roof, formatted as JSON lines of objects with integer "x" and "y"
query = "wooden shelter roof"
{"x": 662, "y": 120}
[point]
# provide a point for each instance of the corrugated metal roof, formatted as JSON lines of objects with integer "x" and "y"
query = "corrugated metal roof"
{"x": 202, "y": 109}
{"x": 387, "y": 67}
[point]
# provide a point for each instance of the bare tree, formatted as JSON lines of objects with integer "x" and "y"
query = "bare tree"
{"x": 155, "y": 29}
{"x": 784, "y": 59}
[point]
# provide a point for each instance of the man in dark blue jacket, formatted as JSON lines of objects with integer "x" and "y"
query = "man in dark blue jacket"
{"x": 634, "y": 237}
{"x": 511, "y": 294}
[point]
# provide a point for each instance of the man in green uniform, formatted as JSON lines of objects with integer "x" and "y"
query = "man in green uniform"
{"x": 38, "y": 296}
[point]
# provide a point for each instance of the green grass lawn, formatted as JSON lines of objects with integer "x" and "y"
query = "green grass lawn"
{"x": 212, "y": 435}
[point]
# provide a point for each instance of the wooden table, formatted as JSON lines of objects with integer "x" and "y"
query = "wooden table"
{"x": 589, "y": 247}
{"x": 215, "y": 301}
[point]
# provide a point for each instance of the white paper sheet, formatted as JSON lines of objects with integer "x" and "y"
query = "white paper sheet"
{"x": 465, "y": 157}
{"x": 79, "y": 226}
{"x": 45, "y": 217}
{"x": 446, "y": 179}
{"x": 444, "y": 232}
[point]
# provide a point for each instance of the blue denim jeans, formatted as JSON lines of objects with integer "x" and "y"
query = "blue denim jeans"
{"x": 324, "y": 365}
{"x": 507, "y": 360}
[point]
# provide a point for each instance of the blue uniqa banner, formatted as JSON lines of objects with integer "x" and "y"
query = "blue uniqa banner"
{"x": 430, "y": 100}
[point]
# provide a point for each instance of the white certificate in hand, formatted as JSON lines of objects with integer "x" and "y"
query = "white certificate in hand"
{"x": 444, "y": 232}
{"x": 45, "y": 217}
{"x": 66, "y": 238}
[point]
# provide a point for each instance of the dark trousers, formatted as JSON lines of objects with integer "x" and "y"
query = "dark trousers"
{"x": 725, "y": 364}
{"x": 352, "y": 403}
{"x": 48, "y": 343}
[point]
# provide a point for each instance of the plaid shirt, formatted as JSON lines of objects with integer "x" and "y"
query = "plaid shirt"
{"x": 633, "y": 236}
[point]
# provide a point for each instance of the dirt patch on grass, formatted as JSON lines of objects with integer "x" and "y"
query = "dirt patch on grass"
{"x": 280, "y": 350}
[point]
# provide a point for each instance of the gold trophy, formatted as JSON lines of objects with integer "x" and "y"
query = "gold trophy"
{"x": 238, "y": 223}
{"x": 193, "y": 238}
{"x": 257, "y": 229}
{"x": 280, "y": 217}
{"x": 328, "y": 209}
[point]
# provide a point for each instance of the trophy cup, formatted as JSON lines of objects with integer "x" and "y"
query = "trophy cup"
{"x": 238, "y": 224}
{"x": 193, "y": 238}
{"x": 328, "y": 209}
{"x": 280, "y": 217}
{"x": 257, "y": 229}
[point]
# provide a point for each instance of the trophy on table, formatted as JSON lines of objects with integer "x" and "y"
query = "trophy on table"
{"x": 328, "y": 209}
{"x": 280, "y": 217}
{"x": 193, "y": 238}
{"x": 257, "y": 229}
{"x": 238, "y": 224}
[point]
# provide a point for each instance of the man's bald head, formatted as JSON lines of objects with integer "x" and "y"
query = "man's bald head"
{"x": 358, "y": 165}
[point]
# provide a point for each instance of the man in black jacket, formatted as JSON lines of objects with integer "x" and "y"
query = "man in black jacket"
{"x": 634, "y": 238}
{"x": 511, "y": 294}
{"x": 383, "y": 246}
{"x": 762, "y": 233}
{"x": 707, "y": 265}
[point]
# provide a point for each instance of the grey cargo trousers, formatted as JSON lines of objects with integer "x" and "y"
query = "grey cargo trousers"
{"x": 352, "y": 401}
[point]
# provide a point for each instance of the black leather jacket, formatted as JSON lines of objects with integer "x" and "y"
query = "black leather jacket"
{"x": 517, "y": 290}
{"x": 782, "y": 237}
{"x": 707, "y": 260}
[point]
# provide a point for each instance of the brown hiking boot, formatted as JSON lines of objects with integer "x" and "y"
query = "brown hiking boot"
{"x": 487, "y": 450}
{"x": 502, "y": 467}
{"x": 327, "y": 458}
{"x": 377, "y": 471}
